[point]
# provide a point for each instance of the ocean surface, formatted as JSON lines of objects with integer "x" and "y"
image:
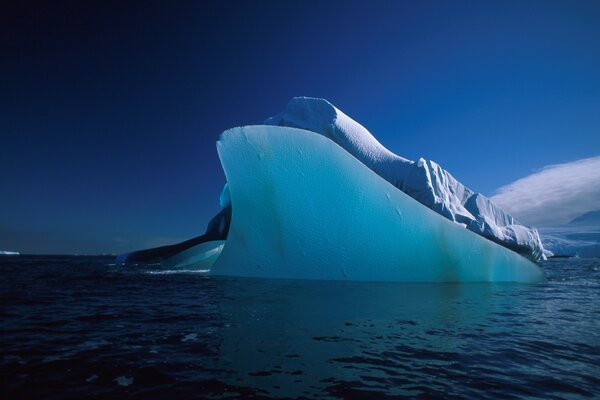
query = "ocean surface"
{"x": 81, "y": 327}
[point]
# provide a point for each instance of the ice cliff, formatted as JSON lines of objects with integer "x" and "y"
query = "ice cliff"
{"x": 424, "y": 180}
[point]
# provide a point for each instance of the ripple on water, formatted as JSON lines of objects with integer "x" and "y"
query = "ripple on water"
{"x": 82, "y": 327}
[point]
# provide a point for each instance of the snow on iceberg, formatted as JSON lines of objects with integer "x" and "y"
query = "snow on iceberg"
{"x": 303, "y": 207}
{"x": 425, "y": 181}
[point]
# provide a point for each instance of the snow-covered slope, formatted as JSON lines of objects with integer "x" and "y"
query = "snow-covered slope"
{"x": 425, "y": 181}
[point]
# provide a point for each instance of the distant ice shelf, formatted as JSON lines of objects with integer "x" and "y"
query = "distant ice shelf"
{"x": 578, "y": 238}
{"x": 8, "y": 253}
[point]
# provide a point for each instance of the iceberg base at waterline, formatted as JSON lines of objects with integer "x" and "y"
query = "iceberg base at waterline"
{"x": 199, "y": 257}
{"x": 304, "y": 208}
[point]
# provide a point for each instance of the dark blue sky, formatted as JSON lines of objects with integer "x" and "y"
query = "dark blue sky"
{"x": 109, "y": 111}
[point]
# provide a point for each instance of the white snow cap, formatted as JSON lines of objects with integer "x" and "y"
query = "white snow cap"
{"x": 425, "y": 181}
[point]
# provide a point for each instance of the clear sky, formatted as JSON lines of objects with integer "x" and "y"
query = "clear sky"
{"x": 110, "y": 110}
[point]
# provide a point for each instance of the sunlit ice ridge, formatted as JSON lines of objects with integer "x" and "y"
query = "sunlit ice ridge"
{"x": 312, "y": 194}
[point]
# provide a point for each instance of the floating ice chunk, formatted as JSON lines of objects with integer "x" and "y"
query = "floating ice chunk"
{"x": 124, "y": 381}
{"x": 303, "y": 207}
{"x": 190, "y": 337}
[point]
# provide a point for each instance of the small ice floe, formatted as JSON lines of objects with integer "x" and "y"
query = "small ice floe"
{"x": 189, "y": 337}
{"x": 177, "y": 271}
{"x": 92, "y": 378}
{"x": 49, "y": 359}
{"x": 124, "y": 381}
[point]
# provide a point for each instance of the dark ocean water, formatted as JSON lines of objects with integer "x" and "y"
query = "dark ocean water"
{"x": 80, "y": 327}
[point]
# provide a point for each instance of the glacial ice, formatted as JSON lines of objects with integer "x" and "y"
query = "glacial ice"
{"x": 303, "y": 207}
{"x": 425, "y": 181}
{"x": 559, "y": 242}
{"x": 313, "y": 195}
{"x": 580, "y": 237}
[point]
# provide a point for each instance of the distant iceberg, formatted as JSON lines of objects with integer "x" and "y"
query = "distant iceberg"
{"x": 8, "y": 253}
{"x": 313, "y": 195}
{"x": 578, "y": 238}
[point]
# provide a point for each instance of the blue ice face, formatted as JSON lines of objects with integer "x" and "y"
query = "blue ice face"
{"x": 305, "y": 208}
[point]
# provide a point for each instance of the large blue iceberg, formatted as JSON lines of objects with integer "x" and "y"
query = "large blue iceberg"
{"x": 313, "y": 195}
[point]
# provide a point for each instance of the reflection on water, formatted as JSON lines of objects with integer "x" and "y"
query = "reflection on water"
{"x": 290, "y": 335}
{"x": 77, "y": 328}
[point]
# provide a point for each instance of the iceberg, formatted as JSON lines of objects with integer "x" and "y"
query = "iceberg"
{"x": 578, "y": 238}
{"x": 313, "y": 195}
